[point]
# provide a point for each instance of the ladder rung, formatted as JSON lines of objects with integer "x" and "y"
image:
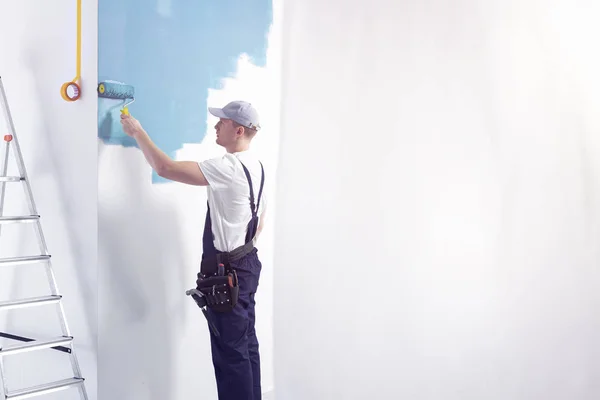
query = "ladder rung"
{"x": 43, "y": 389}
{"x": 29, "y": 302}
{"x": 11, "y": 178}
{"x": 23, "y": 260}
{"x": 35, "y": 345}
{"x": 19, "y": 219}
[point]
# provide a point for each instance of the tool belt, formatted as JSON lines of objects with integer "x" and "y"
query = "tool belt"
{"x": 217, "y": 286}
{"x": 220, "y": 289}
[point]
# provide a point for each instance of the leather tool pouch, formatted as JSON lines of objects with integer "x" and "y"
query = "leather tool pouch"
{"x": 219, "y": 284}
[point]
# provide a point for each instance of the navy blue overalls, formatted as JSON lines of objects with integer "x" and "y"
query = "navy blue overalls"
{"x": 235, "y": 352}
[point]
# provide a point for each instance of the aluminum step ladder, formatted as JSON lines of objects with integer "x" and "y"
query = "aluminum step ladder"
{"x": 25, "y": 344}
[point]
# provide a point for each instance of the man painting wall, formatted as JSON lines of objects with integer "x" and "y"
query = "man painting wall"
{"x": 234, "y": 219}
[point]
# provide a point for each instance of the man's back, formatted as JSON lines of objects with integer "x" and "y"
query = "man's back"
{"x": 229, "y": 196}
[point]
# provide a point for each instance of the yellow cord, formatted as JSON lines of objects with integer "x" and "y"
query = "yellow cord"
{"x": 74, "y": 85}
{"x": 78, "y": 42}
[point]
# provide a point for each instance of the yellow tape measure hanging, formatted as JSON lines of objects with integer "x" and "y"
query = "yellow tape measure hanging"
{"x": 71, "y": 91}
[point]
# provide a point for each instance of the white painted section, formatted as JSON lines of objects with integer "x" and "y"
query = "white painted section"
{"x": 164, "y": 8}
{"x": 154, "y": 340}
{"x": 438, "y": 227}
{"x": 58, "y": 142}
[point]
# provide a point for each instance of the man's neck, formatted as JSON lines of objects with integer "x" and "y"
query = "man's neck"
{"x": 239, "y": 147}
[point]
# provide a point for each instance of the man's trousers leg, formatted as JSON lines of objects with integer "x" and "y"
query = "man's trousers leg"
{"x": 235, "y": 352}
{"x": 253, "y": 351}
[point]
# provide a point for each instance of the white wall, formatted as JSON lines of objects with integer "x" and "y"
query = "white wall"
{"x": 58, "y": 142}
{"x": 154, "y": 340}
{"x": 438, "y": 227}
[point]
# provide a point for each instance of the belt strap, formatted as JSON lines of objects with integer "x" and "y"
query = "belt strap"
{"x": 235, "y": 254}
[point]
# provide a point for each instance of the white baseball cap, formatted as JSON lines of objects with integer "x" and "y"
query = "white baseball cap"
{"x": 241, "y": 112}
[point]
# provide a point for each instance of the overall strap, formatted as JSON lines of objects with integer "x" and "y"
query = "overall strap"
{"x": 253, "y": 224}
{"x": 254, "y": 208}
{"x": 208, "y": 238}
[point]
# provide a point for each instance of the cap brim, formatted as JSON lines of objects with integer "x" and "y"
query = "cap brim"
{"x": 217, "y": 112}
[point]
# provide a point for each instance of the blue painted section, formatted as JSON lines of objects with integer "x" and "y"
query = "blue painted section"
{"x": 172, "y": 52}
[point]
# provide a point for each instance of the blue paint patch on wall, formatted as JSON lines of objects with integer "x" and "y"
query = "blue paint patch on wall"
{"x": 172, "y": 52}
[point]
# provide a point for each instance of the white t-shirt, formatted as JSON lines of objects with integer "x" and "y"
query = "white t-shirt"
{"x": 229, "y": 196}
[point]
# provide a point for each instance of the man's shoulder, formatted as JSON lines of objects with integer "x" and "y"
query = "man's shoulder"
{"x": 231, "y": 165}
{"x": 225, "y": 159}
{"x": 229, "y": 160}
{"x": 250, "y": 160}
{"x": 226, "y": 163}
{"x": 219, "y": 171}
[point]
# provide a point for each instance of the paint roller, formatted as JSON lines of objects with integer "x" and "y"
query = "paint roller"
{"x": 117, "y": 91}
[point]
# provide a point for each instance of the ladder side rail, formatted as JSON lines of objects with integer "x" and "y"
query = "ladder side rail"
{"x": 21, "y": 165}
{"x": 3, "y": 172}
